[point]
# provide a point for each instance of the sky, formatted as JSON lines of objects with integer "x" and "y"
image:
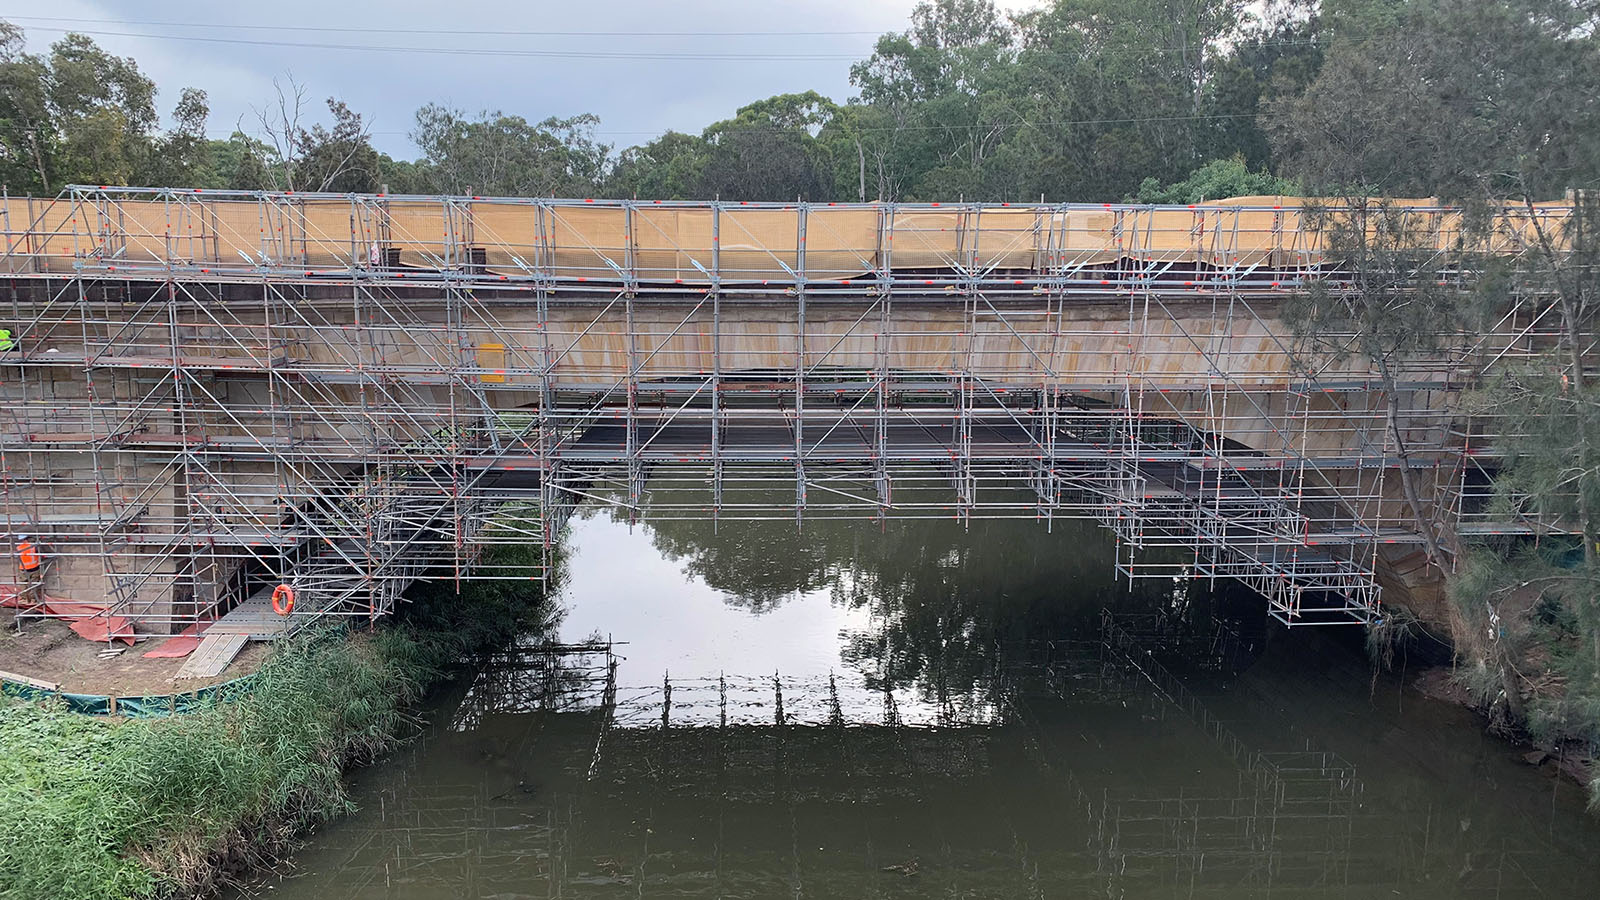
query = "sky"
{"x": 642, "y": 66}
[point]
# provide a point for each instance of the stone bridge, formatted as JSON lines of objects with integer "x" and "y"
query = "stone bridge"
{"x": 211, "y": 393}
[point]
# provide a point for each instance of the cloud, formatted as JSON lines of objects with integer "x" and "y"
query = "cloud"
{"x": 636, "y": 97}
{"x": 227, "y": 81}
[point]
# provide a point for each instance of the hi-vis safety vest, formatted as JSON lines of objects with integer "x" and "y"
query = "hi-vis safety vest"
{"x": 6, "y": 343}
{"x": 28, "y": 556}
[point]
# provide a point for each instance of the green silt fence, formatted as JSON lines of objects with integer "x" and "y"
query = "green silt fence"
{"x": 134, "y": 707}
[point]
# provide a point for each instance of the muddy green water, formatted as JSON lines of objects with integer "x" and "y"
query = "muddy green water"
{"x": 953, "y": 725}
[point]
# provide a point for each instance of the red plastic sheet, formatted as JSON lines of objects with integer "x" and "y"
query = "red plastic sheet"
{"x": 89, "y": 620}
{"x": 180, "y": 645}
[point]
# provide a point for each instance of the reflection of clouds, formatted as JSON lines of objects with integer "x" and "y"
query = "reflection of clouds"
{"x": 918, "y": 609}
{"x": 620, "y": 585}
{"x": 535, "y": 679}
{"x": 1077, "y": 768}
{"x": 538, "y": 676}
{"x": 745, "y": 701}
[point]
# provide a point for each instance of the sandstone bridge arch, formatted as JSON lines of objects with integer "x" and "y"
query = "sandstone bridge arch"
{"x": 211, "y": 392}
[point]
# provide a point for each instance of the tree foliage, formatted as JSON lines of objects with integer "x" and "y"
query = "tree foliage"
{"x": 671, "y": 167}
{"x": 769, "y": 151}
{"x": 1217, "y": 180}
{"x": 503, "y": 155}
{"x": 81, "y": 115}
{"x": 1490, "y": 104}
{"x": 1472, "y": 100}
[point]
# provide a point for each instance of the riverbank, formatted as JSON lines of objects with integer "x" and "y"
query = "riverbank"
{"x": 1573, "y": 760}
{"x": 1535, "y": 702}
{"x": 104, "y": 809}
{"x": 48, "y": 650}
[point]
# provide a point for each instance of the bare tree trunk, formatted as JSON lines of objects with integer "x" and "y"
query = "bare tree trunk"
{"x": 38, "y": 161}
{"x": 1408, "y": 486}
{"x": 861, "y": 155}
{"x": 1570, "y": 316}
{"x": 1570, "y": 326}
{"x": 1511, "y": 683}
{"x": 1572, "y": 313}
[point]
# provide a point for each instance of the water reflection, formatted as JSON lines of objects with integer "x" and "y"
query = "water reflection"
{"x": 921, "y": 710}
{"x": 935, "y": 602}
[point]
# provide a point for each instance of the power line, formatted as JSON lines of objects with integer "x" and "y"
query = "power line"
{"x": 477, "y": 51}
{"x": 1132, "y": 120}
{"x": 498, "y": 32}
{"x": 493, "y": 51}
{"x": 1021, "y": 123}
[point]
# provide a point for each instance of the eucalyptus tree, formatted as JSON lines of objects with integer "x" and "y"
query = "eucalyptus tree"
{"x": 495, "y": 153}
{"x": 78, "y": 114}
{"x": 770, "y": 150}
{"x": 939, "y": 108}
{"x": 1216, "y": 180}
{"x": 671, "y": 167}
{"x": 294, "y": 153}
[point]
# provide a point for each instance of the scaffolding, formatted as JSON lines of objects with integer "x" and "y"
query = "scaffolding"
{"x": 211, "y": 393}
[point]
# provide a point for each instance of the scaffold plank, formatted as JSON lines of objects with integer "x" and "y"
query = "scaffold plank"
{"x": 252, "y": 618}
{"x": 215, "y": 653}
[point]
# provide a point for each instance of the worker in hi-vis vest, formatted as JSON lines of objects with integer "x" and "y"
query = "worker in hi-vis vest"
{"x": 7, "y": 344}
{"x": 30, "y": 566}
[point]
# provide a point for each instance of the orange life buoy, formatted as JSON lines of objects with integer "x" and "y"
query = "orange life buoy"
{"x": 283, "y": 599}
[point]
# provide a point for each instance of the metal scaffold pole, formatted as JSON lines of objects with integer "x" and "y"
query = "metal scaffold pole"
{"x": 214, "y": 392}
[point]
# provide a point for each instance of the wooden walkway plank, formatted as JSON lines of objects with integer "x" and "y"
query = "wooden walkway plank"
{"x": 30, "y": 681}
{"x": 215, "y": 653}
{"x": 253, "y": 618}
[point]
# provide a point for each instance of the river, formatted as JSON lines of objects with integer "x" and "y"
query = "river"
{"x": 917, "y": 709}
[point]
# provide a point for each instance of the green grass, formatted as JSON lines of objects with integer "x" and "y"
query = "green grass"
{"x": 93, "y": 808}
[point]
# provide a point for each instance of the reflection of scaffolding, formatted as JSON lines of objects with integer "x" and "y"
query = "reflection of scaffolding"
{"x": 214, "y": 392}
{"x": 693, "y": 787}
{"x": 764, "y": 782}
{"x": 1290, "y": 821}
{"x": 541, "y": 677}
{"x": 1292, "y": 828}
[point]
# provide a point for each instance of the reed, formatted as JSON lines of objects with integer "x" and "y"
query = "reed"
{"x": 97, "y": 809}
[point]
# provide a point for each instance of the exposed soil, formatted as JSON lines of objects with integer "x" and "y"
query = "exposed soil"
{"x": 1439, "y": 683}
{"x": 1569, "y": 760}
{"x": 50, "y": 651}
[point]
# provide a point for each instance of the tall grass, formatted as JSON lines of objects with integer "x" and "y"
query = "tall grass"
{"x": 93, "y": 809}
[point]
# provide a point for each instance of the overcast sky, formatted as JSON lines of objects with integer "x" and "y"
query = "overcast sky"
{"x": 510, "y": 65}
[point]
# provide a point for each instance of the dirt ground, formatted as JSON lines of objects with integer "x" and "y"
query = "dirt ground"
{"x": 50, "y": 651}
{"x": 1569, "y": 760}
{"x": 1439, "y": 683}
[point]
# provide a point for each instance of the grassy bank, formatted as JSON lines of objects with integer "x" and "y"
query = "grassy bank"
{"x": 93, "y": 808}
